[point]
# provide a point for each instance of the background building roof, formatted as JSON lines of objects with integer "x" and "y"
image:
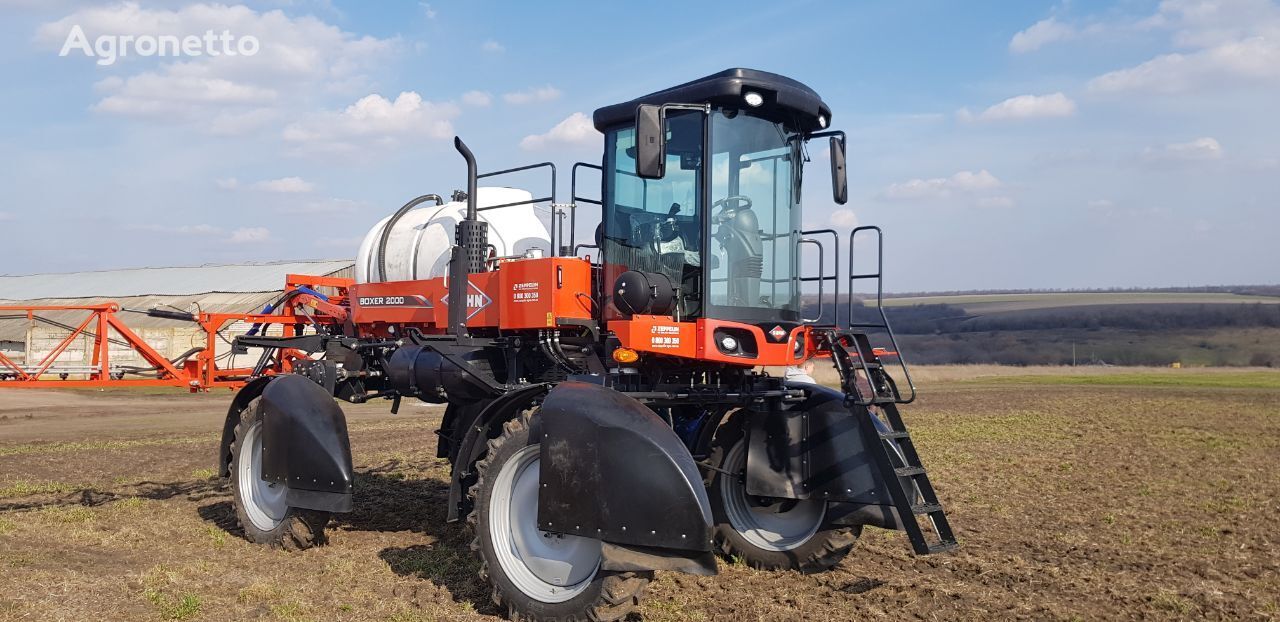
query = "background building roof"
{"x": 181, "y": 281}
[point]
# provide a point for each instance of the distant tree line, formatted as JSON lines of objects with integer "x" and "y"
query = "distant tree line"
{"x": 943, "y": 318}
{"x": 1243, "y": 290}
{"x": 1129, "y": 334}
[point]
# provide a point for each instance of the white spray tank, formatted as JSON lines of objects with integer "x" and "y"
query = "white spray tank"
{"x": 418, "y": 247}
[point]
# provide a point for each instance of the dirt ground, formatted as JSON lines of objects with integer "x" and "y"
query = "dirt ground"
{"x": 1071, "y": 501}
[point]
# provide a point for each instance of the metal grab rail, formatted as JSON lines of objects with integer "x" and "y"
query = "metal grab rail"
{"x": 822, "y": 277}
{"x": 878, "y": 275}
{"x": 574, "y": 199}
{"x": 551, "y": 199}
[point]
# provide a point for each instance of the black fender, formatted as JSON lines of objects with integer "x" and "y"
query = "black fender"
{"x": 816, "y": 450}
{"x": 613, "y": 470}
{"x": 305, "y": 440}
{"x": 475, "y": 429}
{"x": 305, "y": 444}
{"x": 453, "y": 427}
{"x": 246, "y": 394}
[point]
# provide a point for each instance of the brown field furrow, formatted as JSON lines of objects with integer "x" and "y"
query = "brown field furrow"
{"x": 1070, "y": 502}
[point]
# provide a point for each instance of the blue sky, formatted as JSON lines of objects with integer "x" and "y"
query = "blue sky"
{"x": 1000, "y": 144}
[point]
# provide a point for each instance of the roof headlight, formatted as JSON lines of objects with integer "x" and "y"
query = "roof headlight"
{"x": 753, "y": 99}
{"x": 822, "y": 121}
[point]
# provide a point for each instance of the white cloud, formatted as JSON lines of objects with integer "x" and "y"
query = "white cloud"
{"x": 237, "y": 122}
{"x": 248, "y": 235}
{"x": 351, "y": 244}
{"x": 289, "y": 185}
{"x": 477, "y": 98}
{"x": 1101, "y": 204}
{"x": 1024, "y": 107}
{"x": 197, "y": 230}
{"x": 327, "y": 207}
{"x": 427, "y": 11}
{"x": 6, "y": 217}
{"x": 1198, "y": 150}
{"x": 228, "y": 183}
{"x": 532, "y": 96}
{"x": 1208, "y": 23}
{"x": 299, "y": 58}
{"x": 151, "y": 95}
{"x": 942, "y": 187}
{"x": 374, "y": 120}
{"x": 492, "y": 46}
{"x": 844, "y": 218}
{"x": 1041, "y": 33}
{"x": 575, "y": 130}
{"x": 1226, "y": 43}
{"x": 1249, "y": 60}
{"x": 996, "y": 202}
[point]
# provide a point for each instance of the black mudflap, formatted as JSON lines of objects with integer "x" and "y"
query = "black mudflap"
{"x": 613, "y": 470}
{"x": 305, "y": 445}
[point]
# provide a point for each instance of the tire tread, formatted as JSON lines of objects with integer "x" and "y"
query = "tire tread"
{"x": 620, "y": 592}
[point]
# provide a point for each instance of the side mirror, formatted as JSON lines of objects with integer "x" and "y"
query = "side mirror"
{"x": 839, "y": 181}
{"x": 651, "y": 142}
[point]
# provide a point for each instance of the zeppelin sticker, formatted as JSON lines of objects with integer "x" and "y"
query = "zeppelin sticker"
{"x": 525, "y": 292}
{"x": 664, "y": 337}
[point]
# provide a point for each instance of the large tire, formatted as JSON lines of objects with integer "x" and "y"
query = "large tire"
{"x": 261, "y": 509}
{"x": 503, "y": 521}
{"x": 767, "y": 533}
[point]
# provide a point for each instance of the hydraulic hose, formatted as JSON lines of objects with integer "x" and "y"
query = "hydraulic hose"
{"x": 386, "y": 231}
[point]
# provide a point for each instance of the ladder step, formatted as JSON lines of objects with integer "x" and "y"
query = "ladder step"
{"x": 909, "y": 471}
{"x": 894, "y": 435}
{"x": 926, "y": 508}
{"x": 942, "y": 547}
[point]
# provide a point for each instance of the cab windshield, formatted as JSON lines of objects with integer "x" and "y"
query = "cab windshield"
{"x": 726, "y": 237}
{"x": 754, "y": 219}
{"x": 655, "y": 225}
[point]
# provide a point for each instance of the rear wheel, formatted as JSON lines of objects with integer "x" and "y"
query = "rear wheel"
{"x": 538, "y": 575}
{"x": 262, "y": 507}
{"x": 766, "y": 532}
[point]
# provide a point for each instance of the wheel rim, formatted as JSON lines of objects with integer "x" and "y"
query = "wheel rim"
{"x": 781, "y": 526}
{"x": 264, "y": 502}
{"x": 549, "y": 568}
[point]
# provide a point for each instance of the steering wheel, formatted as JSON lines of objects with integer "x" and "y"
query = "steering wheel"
{"x": 727, "y": 212}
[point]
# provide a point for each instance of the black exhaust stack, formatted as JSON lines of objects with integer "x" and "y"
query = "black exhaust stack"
{"x": 471, "y": 243}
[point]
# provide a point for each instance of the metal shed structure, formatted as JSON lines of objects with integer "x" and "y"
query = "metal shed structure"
{"x": 238, "y": 288}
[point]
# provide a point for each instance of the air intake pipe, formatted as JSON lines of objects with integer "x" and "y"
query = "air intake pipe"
{"x": 470, "y": 245}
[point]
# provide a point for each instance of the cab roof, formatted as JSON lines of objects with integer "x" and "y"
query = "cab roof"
{"x": 784, "y": 99}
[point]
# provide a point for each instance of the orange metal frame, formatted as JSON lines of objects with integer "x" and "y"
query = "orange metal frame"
{"x": 200, "y": 372}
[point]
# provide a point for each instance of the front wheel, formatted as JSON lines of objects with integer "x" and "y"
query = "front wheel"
{"x": 766, "y": 532}
{"x": 538, "y": 575}
{"x": 262, "y": 507}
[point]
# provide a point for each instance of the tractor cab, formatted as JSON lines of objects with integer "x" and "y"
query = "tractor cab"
{"x": 701, "y": 199}
{"x": 702, "y": 186}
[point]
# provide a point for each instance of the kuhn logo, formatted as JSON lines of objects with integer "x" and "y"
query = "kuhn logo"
{"x": 477, "y": 300}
